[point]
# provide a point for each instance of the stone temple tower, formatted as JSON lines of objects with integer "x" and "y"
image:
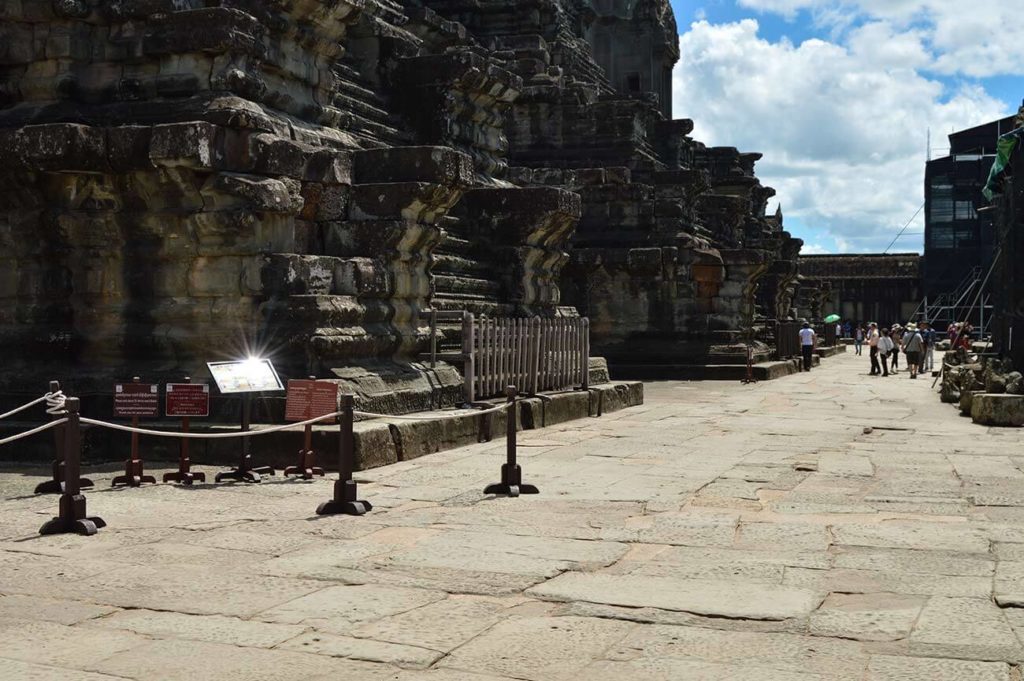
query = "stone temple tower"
{"x": 192, "y": 180}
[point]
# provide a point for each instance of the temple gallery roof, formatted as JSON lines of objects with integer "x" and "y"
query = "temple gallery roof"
{"x": 862, "y": 266}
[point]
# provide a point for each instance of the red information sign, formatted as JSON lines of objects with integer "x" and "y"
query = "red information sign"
{"x": 136, "y": 399}
{"x": 309, "y": 399}
{"x": 188, "y": 399}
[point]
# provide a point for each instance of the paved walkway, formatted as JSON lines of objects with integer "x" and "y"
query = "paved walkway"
{"x": 718, "y": 532}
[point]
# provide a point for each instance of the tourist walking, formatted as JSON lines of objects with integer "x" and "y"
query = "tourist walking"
{"x": 873, "y": 339}
{"x": 895, "y": 335}
{"x": 913, "y": 344}
{"x": 858, "y": 341}
{"x": 885, "y": 347}
{"x": 808, "y": 339}
{"x": 928, "y": 354}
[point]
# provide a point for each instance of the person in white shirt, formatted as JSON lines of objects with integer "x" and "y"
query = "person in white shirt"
{"x": 808, "y": 339}
{"x": 885, "y": 346}
{"x": 873, "y": 339}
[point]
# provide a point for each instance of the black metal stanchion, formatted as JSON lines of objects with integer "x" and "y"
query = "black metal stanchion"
{"x": 56, "y": 484}
{"x": 246, "y": 472}
{"x": 185, "y": 475}
{"x": 345, "y": 493}
{"x": 72, "y": 516}
{"x": 134, "y": 475}
{"x": 511, "y": 474}
{"x": 306, "y": 467}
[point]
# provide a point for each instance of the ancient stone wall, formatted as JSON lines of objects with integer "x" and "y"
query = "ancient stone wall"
{"x": 193, "y": 180}
{"x": 884, "y": 288}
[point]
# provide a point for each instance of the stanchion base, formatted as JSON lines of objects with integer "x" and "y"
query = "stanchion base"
{"x": 305, "y": 473}
{"x": 511, "y": 484}
{"x": 185, "y": 478}
{"x": 86, "y": 526}
{"x": 345, "y": 500}
{"x": 245, "y": 475}
{"x": 72, "y": 518}
{"x": 132, "y": 481}
{"x": 335, "y": 507}
{"x": 502, "y": 489}
{"x": 56, "y": 487}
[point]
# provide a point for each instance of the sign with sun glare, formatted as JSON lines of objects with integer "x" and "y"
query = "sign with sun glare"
{"x": 251, "y": 375}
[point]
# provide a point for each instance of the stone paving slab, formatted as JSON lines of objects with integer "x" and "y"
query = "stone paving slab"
{"x": 770, "y": 532}
{"x": 719, "y": 598}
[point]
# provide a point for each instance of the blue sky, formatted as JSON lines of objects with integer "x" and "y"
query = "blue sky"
{"x": 840, "y": 95}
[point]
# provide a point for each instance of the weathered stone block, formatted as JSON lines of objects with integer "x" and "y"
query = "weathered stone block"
{"x": 62, "y": 146}
{"x": 231, "y": 191}
{"x": 322, "y": 202}
{"x": 998, "y": 410}
{"x": 967, "y": 400}
{"x": 374, "y": 445}
{"x": 189, "y": 145}
{"x": 225, "y": 275}
{"x": 360, "y": 277}
{"x": 437, "y": 165}
{"x": 413, "y": 201}
{"x": 288, "y": 274}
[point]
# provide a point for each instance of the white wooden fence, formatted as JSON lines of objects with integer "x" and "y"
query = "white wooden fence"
{"x": 532, "y": 354}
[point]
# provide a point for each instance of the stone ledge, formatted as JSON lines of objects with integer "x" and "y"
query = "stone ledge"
{"x": 998, "y": 410}
{"x": 830, "y": 350}
{"x": 765, "y": 371}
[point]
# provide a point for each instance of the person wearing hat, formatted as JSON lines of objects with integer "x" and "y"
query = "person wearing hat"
{"x": 808, "y": 339}
{"x": 873, "y": 348}
{"x": 896, "y": 334}
{"x": 913, "y": 344}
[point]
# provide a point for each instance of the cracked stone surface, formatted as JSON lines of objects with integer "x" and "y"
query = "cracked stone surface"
{"x": 719, "y": 532}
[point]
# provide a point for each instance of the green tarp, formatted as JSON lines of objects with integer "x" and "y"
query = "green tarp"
{"x": 1004, "y": 149}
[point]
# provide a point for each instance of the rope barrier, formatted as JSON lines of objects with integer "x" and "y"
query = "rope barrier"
{"x": 56, "y": 406}
{"x": 22, "y": 407}
{"x": 27, "y": 433}
{"x": 209, "y": 436}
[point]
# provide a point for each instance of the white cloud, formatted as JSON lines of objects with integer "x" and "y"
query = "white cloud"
{"x": 843, "y": 127}
{"x": 976, "y": 39}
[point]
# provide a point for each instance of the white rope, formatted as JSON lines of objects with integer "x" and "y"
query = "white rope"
{"x": 55, "y": 406}
{"x": 23, "y": 407}
{"x": 55, "y": 403}
{"x": 27, "y": 433}
{"x": 208, "y": 436}
{"x": 430, "y": 417}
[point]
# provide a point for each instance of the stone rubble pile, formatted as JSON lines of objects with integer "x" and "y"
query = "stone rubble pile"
{"x": 988, "y": 389}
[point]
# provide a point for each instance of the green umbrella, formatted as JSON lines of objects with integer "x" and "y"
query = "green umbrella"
{"x": 832, "y": 318}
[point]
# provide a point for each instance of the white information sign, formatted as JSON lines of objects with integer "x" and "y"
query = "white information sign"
{"x": 245, "y": 376}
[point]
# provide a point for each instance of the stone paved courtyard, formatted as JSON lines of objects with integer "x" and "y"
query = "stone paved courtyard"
{"x": 718, "y": 532}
